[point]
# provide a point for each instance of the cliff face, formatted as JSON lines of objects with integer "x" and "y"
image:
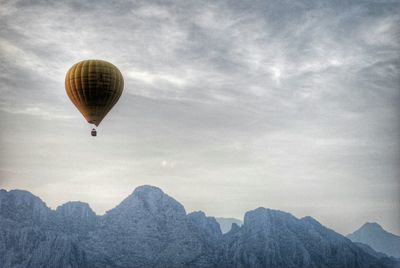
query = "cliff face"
{"x": 32, "y": 236}
{"x": 270, "y": 238}
{"x": 151, "y": 229}
{"x": 226, "y": 223}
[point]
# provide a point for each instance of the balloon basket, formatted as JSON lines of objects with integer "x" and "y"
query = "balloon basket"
{"x": 94, "y": 133}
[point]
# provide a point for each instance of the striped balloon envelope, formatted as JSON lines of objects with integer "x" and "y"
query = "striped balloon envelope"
{"x": 94, "y": 86}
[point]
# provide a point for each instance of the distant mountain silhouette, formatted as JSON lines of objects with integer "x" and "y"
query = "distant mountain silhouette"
{"x": 226, "y": 223}
{"x": 151, "y": 229}
{"x": 373, "y": 235}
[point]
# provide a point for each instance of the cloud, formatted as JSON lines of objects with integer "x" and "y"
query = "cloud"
{"x": 151, "y": 78}
{"x": 262, "y": 103}
{"x": 44, "y": 113}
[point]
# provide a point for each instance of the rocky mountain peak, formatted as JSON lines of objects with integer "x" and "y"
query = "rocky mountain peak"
{"x": 226, "y": 223}
{"x": 148, "y": 201}
{"x": 28, "y": 207}
{"x": 372, "y": 226}
{"x": 373, "y": 235}
{"x": 208, "y": 225}
{"x": 76, "y": 217}
{"x": 147, "y": 190}
{"x": 267, "y": 218}
{"x": 76, "y": 209}
{"x": 234, "y": 228}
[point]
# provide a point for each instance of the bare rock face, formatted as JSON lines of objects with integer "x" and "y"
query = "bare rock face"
{"x": 148, "y": 229}
{"x": 76, "y": 218}
{"x": 208, "y": 232}
{"x": 30, "y": 236}
{"x": 76, "y": 210}
{"x": 208, "y": 226}
{"x": 226, "y": 223}
{"x": 270, "y": 238}
{"x": 23, "y": 207}
{"x": 151, "y": 229}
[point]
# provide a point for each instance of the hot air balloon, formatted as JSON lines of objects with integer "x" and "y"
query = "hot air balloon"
{"x": 94, "y": 86}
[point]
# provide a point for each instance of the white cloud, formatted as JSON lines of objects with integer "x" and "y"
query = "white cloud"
{"x": 154, "y": 78}
{"x": 45, "y": 113}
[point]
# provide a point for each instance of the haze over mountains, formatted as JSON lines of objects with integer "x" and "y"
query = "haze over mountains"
{"x": 377, "y": 238}
{"x": 151, "y": 229}
{"x": 226, "y": 223}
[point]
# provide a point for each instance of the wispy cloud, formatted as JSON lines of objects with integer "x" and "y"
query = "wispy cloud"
{"x": 44, "y": 113}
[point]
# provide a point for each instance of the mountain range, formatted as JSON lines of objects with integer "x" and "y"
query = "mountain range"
{"x": 151, "y": 229}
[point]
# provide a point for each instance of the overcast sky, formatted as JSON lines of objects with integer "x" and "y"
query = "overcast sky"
{"x": 227, "y": 105}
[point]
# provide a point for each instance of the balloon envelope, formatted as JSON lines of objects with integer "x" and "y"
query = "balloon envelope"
{"x": 94, "y": 86}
